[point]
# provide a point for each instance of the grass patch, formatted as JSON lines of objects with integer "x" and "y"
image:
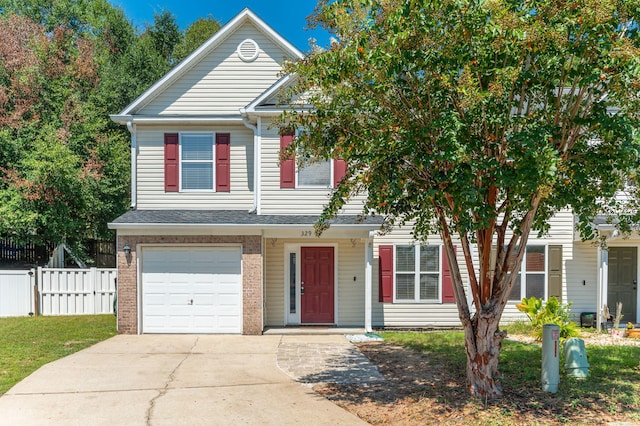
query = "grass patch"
{"x": 27, "y": 343}
{"x": 518, "y": 327}
{"x": 611, "y": 393}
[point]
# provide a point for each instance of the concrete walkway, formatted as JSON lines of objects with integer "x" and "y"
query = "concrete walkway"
{"x": 176, "y": 380}
{"x": 325, "y": 359}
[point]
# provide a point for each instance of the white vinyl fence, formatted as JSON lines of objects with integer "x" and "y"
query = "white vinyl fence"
{"x": 16, "y": 293}
{"x": 76, "y": 291}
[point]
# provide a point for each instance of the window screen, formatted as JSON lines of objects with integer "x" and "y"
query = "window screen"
{"x": 197, "y": 160}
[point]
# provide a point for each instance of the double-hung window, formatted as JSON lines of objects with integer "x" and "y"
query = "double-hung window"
{"x": 196, "y": 161}
{"x": 417, "y": 273}
{"x": 531, "y": 280}
{"x": 312, "y": 173}
{"x": 315, "y": 174}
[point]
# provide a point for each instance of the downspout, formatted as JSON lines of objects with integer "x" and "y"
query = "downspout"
{"x": 256, "y": 159}
{"x": 599, "y": 285}
{"x": 368, "y": 281}
{"x": 134, "y": 149}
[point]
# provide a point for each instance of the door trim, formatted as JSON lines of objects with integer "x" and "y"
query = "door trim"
{"x": 295, "y": 319}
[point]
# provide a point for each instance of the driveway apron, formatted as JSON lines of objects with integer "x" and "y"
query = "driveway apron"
{"x": 169, "y": 380}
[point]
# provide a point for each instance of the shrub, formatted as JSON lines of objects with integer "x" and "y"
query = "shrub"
{"x": 552, "y": 312}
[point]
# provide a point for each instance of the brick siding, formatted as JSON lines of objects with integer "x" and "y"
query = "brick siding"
{"x": 252, "y": 296}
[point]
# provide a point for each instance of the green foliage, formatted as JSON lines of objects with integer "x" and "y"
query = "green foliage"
{"x": 63, "y": 164}
{"x": 64, "y": 67}
{"x": 164, "y": 35}
{"x": 551, "y": 312}
{"x": 458, "y": 111}
{"x": 197, "y": 33}
{"x": 27, "y": 343}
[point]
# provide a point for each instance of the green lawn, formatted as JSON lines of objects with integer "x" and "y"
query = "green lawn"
{"x": 613, "y": 388}
{"x": 26, "y": 343}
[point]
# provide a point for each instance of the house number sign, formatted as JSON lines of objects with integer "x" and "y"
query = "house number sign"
{"x": 306, "y": 234}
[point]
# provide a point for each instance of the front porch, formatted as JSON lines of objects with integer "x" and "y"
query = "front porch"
{"x": 318, "y": 285}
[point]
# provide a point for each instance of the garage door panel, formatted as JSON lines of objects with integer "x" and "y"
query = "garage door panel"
{"x": 228, "y": 300}
{"x": 192, "y": 290}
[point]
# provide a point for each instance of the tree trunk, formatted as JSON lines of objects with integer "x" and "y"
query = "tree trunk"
{"x": 483, "y": 342}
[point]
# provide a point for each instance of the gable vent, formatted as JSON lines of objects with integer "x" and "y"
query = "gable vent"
{"x": 248, "y": 50}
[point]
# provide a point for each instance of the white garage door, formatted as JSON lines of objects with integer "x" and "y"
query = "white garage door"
{"x": 191, "y": 290}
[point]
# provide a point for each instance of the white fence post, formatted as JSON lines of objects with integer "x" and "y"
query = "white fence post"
{"x": 93, "y": 278}
{"x": 41, "y": 291}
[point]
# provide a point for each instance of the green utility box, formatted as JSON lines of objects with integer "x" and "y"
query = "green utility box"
{"x": 575, "y": 357}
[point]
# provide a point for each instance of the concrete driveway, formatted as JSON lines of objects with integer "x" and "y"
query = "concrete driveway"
{"x": 169, "y": 380}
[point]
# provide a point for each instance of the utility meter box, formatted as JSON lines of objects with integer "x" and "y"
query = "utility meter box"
{"x": 575, "y": 357}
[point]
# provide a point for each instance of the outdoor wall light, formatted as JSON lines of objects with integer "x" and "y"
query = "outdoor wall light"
{"x": 127, "y": 250}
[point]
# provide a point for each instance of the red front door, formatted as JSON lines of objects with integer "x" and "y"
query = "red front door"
{"x": 317, "y": 284}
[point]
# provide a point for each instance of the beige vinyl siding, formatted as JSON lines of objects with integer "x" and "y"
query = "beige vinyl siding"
{"x": 351, "y": 299}
{"x": 275, "y": 200}
{"x": 446, "y": 314}
{"x": 582, "y": 273}
{"x": 222, "y": 83}
{"x": 274, "y": 282}
{"x": 582, "y": 266}
{"x": 150, "y": 165}
{"x": 350, "y": 263}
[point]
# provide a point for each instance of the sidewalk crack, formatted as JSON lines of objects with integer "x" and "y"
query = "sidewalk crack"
{"x": 163, "y": 391}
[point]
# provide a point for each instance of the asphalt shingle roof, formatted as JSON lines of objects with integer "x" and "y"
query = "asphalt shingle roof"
{"x": 233, "y": 217}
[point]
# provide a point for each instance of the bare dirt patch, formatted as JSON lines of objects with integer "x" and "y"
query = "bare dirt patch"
{"x": 422, "y": 390}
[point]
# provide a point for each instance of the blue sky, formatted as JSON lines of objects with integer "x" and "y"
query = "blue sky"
{"x": 287, "y": 17}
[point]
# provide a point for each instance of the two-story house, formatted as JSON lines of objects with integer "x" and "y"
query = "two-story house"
{"x": 220, "y": 235}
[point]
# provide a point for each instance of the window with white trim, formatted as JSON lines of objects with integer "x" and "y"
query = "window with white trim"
{"x": 197, "y": 161}
{"x": 315, "y": 174}
{"x": 532, "y": 278}
{"x": 417, "y": 273}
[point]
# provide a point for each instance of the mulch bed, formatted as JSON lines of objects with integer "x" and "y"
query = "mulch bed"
{"x": 423, "y": 391}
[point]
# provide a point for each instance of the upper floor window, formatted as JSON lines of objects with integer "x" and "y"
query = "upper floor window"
{"x": 311, "y": 174}
{"x": 196, "y": 161}
{"x": 315, "y": 174}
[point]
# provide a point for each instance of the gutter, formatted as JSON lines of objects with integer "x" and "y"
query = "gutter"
{"x": 176, "y": 119}
{"x": 263, "y": 226}
{"x": 134, "y": 161}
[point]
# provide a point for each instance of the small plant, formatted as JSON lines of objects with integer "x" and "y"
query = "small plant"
{"x": 629, "y": 326}
{"x": 552, "y": 312}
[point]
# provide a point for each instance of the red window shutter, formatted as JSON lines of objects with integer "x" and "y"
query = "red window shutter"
{"x": 385, "y": 281}
{"x": 288, "y": 166}
{"x": 171, "y": 162}
{"x": 339, "y": 170}
{"x": 223, "y": 162}
{"x": 448, "y": 295}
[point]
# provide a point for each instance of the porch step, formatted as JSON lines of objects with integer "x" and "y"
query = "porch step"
{"x": 311, "y": 330}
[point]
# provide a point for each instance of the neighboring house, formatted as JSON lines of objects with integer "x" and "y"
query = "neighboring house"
{"x": 220, "y": 236}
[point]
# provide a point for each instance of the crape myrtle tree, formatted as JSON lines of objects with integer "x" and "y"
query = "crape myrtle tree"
{"x": 476, "y": 120}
